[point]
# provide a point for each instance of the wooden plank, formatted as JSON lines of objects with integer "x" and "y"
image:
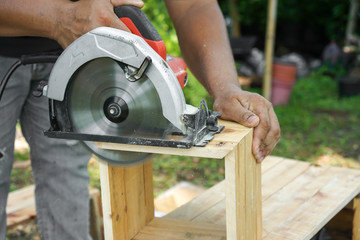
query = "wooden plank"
{"x": 242, "y": 181}
{"x": 280, "y": 175}
{"x": 314, "y": 204}
{"x": 127, "y": 200}
{"x": 231, "y": 125}
{"x": 20, "y": 206}
{"x": 106, "y": 200}
{"x": 210, "y": 206}
{"x": 218, "y": 148}
{"x": 269, "y": 162}
{"x": 200, "y": 204}
{"x": 356, "y": 219}
{"x": 20, "y": 199}
{"x": 216, "y": 214}
{"x": 165, "y": 229}
{"x": 235, "y": 202}
{"x": 281, "y": 205}
{"x": 96, "y": 223}
{"x": 281, "y": 208}
{"x": 21, "y": 216}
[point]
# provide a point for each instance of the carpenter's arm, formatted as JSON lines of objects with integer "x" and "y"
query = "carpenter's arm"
{"x": 205, "y": 46}
{"x": 61, "y": 20}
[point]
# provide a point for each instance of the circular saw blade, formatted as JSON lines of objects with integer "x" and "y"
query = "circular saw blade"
{"x": 103, "y": 102}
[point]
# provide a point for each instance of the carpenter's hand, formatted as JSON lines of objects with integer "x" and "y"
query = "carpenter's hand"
{"x": 251, "y": 110}
{"x": 78, "y": 18}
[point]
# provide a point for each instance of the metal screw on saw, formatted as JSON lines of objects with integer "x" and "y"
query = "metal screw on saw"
{"x": 134, "y": 74}
{"x": 114, "y": 110}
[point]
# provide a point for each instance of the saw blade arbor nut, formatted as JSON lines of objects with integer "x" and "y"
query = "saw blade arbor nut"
{"x": 115, "y": 109}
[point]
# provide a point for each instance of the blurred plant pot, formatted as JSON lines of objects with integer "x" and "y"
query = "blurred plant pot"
{"x": 280, "y": 92}
{"x": 284, "y": 72}
{"x": 283, "y": 80}
{"x": 349, "y": 86}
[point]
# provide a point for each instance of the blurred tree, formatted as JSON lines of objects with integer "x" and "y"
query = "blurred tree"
{"x": 299, "y": 22}
{"x": 352, "y": 20}
{"x": 328, "y": 14}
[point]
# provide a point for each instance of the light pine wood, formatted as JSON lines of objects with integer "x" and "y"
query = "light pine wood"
{"x": 20, "y": 199}
{"x": 169, "y": 229}
{"x": 96, "y": 221}
{"x": 301, "y": 204}
{"x": 198, "y": 206}
{"x": 243, "y": 182}
{"x": 218, "y": 148}
{"x": 106, "y": 200}
{"x": 127, "y": 199}
{"x": 356, "y": 219}
{"x": 242, "y": 175}
{"x": 20, "y": 209}
{"x": 288, "y": 170}
{"x": 298, "y": 198}
{"x": 210, "y": 206}
{"x": 325, "y": 202}
{"x": 21, "y": 216}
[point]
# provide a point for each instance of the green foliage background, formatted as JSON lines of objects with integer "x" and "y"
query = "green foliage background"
{"x": 330, "y": 15}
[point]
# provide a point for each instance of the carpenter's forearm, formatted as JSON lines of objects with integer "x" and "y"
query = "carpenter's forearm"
{"x": 29, "y": 18}
{"x": 204, "y": 43}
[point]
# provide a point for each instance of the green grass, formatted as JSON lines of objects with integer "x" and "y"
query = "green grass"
{"x": 317, "y": 123}
{"x": 169, "y": 170}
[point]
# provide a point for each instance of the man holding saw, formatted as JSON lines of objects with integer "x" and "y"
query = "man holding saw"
{"x": 59, "y": 166}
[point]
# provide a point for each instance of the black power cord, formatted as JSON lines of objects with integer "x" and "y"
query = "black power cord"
{"x": 24, "y": 60}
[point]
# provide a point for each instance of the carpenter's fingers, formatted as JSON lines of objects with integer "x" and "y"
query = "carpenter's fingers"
{"x": 136, "y": 3}
{"x": 273, "y": 135}
{"x": 260, "y": 133}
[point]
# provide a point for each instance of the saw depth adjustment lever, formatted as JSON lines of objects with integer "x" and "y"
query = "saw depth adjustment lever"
{"x": 134, "y": 74}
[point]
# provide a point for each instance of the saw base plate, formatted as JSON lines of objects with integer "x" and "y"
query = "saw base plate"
{"x": 184, "y": 142}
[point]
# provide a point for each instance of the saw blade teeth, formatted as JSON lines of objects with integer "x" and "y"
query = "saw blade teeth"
{"x": 103, "y": 102}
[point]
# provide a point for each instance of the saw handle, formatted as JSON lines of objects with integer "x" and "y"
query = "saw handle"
{"x": 139, "y": 24}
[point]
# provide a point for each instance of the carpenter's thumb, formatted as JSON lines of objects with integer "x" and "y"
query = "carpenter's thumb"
{"x": 248, "y": 118}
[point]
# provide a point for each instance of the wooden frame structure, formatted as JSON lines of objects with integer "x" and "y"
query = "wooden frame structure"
{"x": 279, "y": 199}
{"x": 127, "y": 193}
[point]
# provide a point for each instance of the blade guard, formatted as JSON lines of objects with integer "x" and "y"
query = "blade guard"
{"x": 129, "y": 49}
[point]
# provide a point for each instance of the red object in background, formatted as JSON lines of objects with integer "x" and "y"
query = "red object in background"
{"x": 284, "y": 72}
{"x": 283, "y": 80}
{"x": 178, "y": 66}
{"x": 280, "y": 92}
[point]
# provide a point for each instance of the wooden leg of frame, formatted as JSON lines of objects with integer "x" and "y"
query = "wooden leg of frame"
{"x": 356, "y": 219}
{"x": 243, "y": 193}
{"x": 127, "y": 198}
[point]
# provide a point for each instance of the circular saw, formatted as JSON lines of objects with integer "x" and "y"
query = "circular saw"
{"x": 114, "y": 86}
